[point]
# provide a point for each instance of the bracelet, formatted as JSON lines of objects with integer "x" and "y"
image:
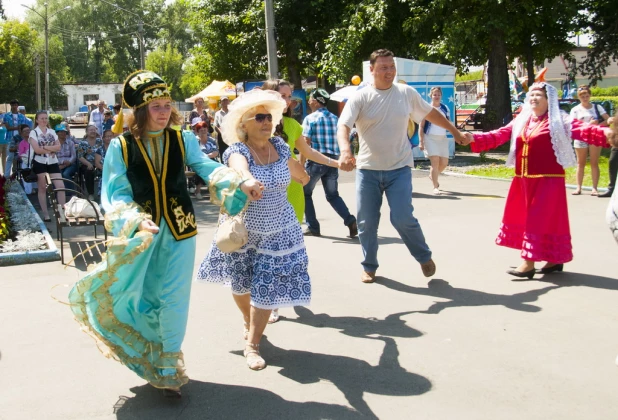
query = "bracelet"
{"x": 328, "y": 161}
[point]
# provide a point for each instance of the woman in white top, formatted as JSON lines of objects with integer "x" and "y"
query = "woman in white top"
{"x": 45, "y": 144}
{"x": 593, "y": 114}
{"x": 433, "y": 141}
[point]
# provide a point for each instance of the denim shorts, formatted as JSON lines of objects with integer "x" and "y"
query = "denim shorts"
{"x": 578, "y": 144}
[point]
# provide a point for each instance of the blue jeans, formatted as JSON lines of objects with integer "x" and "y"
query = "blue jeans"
{"x": 8, "y": 164}
{"x": 329, "y": 178}
{"x": 397, "y": 184}
{"x": 67, "y": 173}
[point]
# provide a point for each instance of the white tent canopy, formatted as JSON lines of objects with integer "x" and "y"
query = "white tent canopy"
{"x": 215, "y": 90}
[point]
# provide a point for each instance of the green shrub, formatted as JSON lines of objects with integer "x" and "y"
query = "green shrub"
{"x": 610, "y": 91}
{"x": 54, "y": 119}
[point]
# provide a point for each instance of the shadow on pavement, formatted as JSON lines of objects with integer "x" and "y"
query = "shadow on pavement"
{"x": 85, "y": 253}
{"x": 382, "y": 240}
{"x": 566, "y": 279}
{"x": 391, "y": 326}
{"x": 459, "y": 297}
{"x": 453, "y": 195}
{"x": 203, "y": 400}
{"x": 353, "y": 377}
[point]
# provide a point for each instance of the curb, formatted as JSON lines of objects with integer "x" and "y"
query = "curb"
{"x": 31, "y": 257}
{"x": 461, "y": 175}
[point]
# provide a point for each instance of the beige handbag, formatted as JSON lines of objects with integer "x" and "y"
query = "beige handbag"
{"x": 232, "y": 234}
{"x": 80, "y": 207}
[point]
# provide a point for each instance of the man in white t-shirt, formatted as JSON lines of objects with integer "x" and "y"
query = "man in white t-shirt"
{"x": 381, "y": 113}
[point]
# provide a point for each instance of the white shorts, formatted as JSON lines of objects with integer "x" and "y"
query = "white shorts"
{"x": 436, "y": 146}
{"x": 578, "y": 144}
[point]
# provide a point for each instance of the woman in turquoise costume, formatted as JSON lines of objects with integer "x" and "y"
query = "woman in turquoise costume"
{"x": 136, "y": 301}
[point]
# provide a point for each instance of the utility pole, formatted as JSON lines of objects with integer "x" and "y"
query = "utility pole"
{"x": 271, "y": 43}
{"x": 46, "y": 60}
{"x": 46, "y": 22}
{"x": 140, "y": 31}
{"x": 37, "y": 77}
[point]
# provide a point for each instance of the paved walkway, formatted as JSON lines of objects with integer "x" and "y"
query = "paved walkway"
{"x": 470, "y": 343}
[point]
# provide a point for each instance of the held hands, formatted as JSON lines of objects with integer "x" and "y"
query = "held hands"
{"x": 252, "y": 188}
{"x": 467, "y": 138}
{"x": 149, "y": 226}
{"x": 347, "y": 162}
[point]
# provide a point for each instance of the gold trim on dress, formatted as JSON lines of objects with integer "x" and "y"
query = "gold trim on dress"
{"x": 151, "y": 355}
{"x": 190, "y": 215}
{"x": 125, "y": 153}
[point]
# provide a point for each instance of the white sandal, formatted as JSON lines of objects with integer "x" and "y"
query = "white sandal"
{"x": 253, "y": 357}
{"x": 274, "y": 316}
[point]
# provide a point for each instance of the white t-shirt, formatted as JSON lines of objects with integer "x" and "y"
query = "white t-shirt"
{"x": 47, "y": 139}
{"x": 381, "y": 118}
{"x": 583, "y": 114}
{"x": 436, "y": 130}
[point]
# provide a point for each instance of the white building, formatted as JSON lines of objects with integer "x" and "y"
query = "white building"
{"x": 80, "y": 94}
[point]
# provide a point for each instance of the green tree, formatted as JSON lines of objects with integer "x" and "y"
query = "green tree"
{"x": 167, "y": 62}
{"x": 20, "y": 44}
{"x": 602, "y": 19}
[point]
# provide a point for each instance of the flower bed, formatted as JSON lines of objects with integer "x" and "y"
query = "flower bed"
{"x": 23, "y": 236}
{"x": 5, "y": 223}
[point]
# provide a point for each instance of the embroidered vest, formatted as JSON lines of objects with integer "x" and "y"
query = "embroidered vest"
{"x": 163, "y": 195}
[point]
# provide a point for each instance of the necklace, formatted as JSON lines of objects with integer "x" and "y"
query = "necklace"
{"x": 257, "y": 157}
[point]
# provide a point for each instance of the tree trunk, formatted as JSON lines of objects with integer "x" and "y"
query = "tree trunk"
{"x": 530, "y": 63}
{"x": 498, "y": 107}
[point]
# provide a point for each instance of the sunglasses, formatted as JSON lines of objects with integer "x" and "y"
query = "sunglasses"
{"x": 261, "y": 117}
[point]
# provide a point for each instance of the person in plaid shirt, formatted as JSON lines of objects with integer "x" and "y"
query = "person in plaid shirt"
{"x": 320, "y": 130}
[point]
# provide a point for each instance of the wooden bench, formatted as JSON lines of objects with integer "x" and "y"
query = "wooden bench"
{"x": 62, "y": 220}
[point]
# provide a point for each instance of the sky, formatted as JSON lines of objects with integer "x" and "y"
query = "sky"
{"x": 13, "y": 9}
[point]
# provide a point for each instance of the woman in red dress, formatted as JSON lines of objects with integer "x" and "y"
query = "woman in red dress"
{"x": 536, "y": 218}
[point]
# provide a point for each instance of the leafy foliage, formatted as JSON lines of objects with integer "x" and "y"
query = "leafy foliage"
{"x": 167, "y": 63}
{"x": 602, "y": 19}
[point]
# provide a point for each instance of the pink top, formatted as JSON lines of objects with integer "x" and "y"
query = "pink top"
{"x": 589, "y": 133}
{"x": 23, "y": 147}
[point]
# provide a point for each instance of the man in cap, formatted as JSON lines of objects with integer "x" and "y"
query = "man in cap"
{"x": 219, "y": 115}
{"x": 67, "y": 157}
{"x": 320, "y": 130}
{"x": 12, "y": 120}
{"x": 22, "y": 110}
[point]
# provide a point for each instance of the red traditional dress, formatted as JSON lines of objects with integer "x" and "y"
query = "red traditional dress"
{"x": 536, "y": 217}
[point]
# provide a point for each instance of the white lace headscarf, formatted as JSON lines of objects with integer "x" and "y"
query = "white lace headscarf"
{"x": 559, "y": 127}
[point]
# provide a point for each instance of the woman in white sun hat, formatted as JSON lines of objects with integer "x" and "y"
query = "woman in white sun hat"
{"x": 270, "y": 271}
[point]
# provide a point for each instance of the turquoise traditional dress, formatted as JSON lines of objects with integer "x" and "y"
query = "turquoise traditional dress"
{"x": 136, "y": 301}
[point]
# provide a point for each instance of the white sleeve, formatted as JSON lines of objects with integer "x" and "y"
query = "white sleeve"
{"x": 420, "y": 108}
{"x": 350, "y": 112}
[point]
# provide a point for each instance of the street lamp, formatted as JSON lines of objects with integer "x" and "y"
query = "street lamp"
{"x": 46, "y": 21}
{"x": 140, "y": 31}
{"x": 37, "y": 66}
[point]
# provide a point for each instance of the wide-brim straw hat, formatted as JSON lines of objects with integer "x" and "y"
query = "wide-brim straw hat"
{"x": 269, "y": 99}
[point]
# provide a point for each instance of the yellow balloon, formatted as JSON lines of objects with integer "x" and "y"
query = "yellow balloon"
{"x": 356, "y": 80}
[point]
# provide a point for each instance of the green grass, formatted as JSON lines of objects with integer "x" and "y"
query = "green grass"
{"x": 501, "y": 171}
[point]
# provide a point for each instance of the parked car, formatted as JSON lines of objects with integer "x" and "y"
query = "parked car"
{"x": 79, "y": 118}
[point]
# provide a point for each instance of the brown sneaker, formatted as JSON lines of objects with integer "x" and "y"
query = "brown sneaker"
{"x": 368, "y": 276}
{"x": 429, "y": 268}
{"x": 353, "y": 229}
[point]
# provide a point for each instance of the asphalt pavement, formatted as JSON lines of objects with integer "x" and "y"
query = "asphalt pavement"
{"x": 469, "y": 343}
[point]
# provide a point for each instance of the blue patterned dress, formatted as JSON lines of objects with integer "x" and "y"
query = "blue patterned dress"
{"x": 273, "y": 264}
